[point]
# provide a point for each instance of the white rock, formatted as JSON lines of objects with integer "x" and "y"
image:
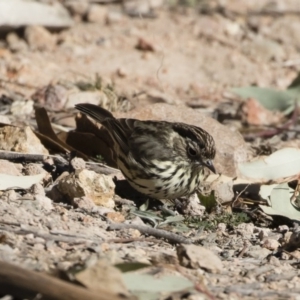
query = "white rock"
{"x": 98, "y": 187}
{"x": 20, "y": 140}
{"x": 21, "y": 107}
{"x": 97, "y": 14}
{"x": 17, "y": 13}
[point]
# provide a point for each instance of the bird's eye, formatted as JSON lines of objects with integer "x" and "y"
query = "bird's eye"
{"x": 192, "y": 151}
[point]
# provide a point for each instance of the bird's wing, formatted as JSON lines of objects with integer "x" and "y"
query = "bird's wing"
{"x": 121, "y": 131}
{"x": 96, "y": 112}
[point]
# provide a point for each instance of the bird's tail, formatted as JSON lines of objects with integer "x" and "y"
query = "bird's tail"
{"x": 96, "y": 112}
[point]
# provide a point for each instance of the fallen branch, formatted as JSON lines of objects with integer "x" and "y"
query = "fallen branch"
{"x": 11, "y": 155}
{"x": 22, "y": 283}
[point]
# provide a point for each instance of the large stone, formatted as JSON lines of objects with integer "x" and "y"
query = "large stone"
{"x": 20, "y": 140}
{"x": 194, "y": 256}
{"x": 231, "y": 147}
{"x": 84, "y": 183}
{"x": 16, "y": 13}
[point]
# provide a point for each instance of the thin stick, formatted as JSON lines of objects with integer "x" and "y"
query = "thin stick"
{"x": 11, "y": 155}
{"x": 61, "y": 237}
{"x": 171, "y": 237}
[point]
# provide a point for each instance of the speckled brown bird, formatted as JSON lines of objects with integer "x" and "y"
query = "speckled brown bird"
{"x": 159, "y": 159}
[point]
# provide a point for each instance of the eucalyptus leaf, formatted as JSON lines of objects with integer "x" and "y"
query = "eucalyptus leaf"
{"x": 265, "y": 192}
{"x": 281, "y": 204}
{"x": 172, "y": 219}
{"x": 271, "y": 99}
{"x": 147, "y": 215}
{"x": 137, "y": 282}
{"x": 19, "y": 182}
{"x": 280, "y": 164}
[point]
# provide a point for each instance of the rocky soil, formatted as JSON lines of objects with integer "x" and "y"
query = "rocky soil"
{"x": 162, "y": 60}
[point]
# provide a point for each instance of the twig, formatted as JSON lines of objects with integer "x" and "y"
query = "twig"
{"x": 58, "y": 237}
{"x": 171, "y": 237}
{"x": 239, "y": 194}
{"x": 294, "y": 198}
{"x": 65, "y": 237}
{"x": 245, "y": 248}
{"x": 122, "y": 201}
{"x": 22, "y": 283}
{"x": 101, "y": 168}
{"x": 18, "y": 156}
{"x": 11, "y": 155}
{"x": 273, "y": 12}
{"x": 106, "y": 1}
{"x": 126, "y": 241}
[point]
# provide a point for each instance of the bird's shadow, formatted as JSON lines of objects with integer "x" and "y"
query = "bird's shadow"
{"x": 124, "y": 190}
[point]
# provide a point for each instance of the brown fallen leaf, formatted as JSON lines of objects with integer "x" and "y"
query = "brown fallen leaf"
{"x": 90, "y": 145}
{"x": 47, "y": 135}
{"x": 255, "y": 114}
{"x": 97, "y": 137}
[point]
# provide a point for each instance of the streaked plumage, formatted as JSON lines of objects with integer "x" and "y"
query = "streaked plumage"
{"x": 159, "y": 159}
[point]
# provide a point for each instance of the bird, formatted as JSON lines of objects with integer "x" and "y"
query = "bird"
{"x": 160, "y": 159}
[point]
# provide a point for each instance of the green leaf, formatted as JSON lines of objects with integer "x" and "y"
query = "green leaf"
{"x": 171, "y": 219}
{"x": 147, "y": 215}
{"x": 208, "y": 201}
{"x": 269, "y": 98}
{"x": 265, "y": 192}
{"x": 137, "y": 282}
{"x": 280, "y": 164}
{"x": 281, "y": 203}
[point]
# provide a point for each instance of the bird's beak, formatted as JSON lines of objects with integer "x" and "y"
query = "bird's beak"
{"x": 210, "y": 166}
